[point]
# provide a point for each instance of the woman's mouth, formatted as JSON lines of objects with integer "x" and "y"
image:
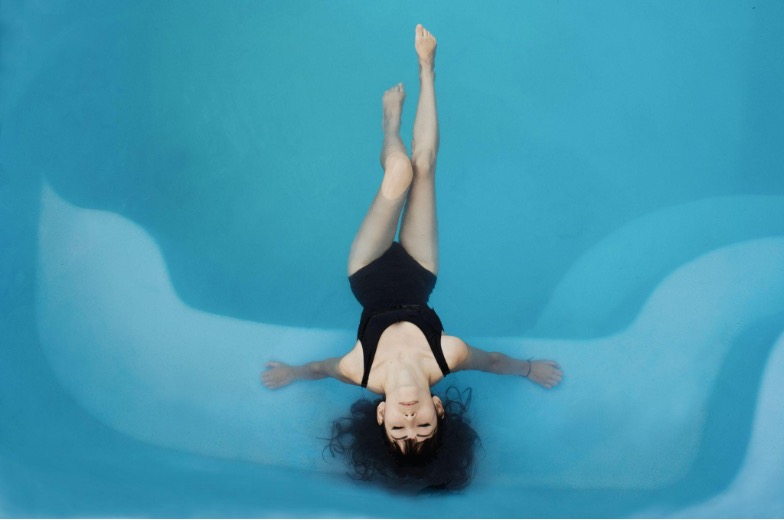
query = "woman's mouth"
{"x": 409, "y": 403}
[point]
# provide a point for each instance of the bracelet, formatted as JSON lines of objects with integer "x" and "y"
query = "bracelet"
{"x": 529, "y": 367}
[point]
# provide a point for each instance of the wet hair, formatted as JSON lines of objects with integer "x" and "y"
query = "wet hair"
{"x": 443, "y": 462}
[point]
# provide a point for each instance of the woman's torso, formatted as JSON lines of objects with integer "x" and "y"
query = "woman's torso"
{"x": 396, "y": 322}
{"x": 401, "y": 341}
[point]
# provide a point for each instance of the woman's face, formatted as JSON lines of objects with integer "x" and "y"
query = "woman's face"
{"x": 409, "y": 415}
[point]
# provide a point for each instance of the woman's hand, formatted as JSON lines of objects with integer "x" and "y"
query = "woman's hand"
{"x": 545, "y": 373}
{"x": 278, "y": 375}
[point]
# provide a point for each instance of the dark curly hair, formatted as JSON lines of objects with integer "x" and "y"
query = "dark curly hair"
{"x": 441, "y": 463}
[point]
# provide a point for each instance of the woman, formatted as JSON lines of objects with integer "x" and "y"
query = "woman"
{"x": 401, "y": 350}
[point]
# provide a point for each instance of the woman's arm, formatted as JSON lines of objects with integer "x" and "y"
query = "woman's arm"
{"x": 280, "y": 374}
{"x": 543, "y": 372}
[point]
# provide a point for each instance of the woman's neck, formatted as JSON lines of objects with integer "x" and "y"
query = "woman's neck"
{"x": 404, "y": 373}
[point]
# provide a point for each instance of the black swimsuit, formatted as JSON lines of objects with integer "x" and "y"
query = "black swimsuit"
{"x": 394, "y": 288}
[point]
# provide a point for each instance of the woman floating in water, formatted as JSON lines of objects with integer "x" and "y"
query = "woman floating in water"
{"x": 401, "y": 349}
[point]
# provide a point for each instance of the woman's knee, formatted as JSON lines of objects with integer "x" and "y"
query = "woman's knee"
{"x": 398, "y": 174}
{"x": 424, "y": 162}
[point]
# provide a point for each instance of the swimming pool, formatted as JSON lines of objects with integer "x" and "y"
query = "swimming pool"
{"x": 180, "y": 187}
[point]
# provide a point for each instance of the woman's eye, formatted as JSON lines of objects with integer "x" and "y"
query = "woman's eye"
{"x": 424, "y": 425}
{"x": 397, "y": 427}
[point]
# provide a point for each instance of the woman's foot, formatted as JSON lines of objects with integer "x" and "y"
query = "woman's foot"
{"x": 425, "y": 45}
{"x": 398, "y": 171}
{"x": 392, "y": 104}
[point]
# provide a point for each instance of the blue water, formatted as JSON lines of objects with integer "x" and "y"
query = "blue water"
{"x": 180, "y": 184}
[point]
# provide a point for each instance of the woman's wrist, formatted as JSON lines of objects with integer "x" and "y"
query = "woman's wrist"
{"x": 530, "y": 366}
{"x": 303, "y": 372}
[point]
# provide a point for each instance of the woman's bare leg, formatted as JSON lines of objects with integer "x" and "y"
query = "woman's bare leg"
{"x": 419, "y": 229}
{"x": 378, "y": 229}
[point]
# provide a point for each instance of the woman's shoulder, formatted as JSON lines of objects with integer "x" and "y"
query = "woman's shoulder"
{"x": 455, "y": 350}
{"x": 352, "y": 365}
